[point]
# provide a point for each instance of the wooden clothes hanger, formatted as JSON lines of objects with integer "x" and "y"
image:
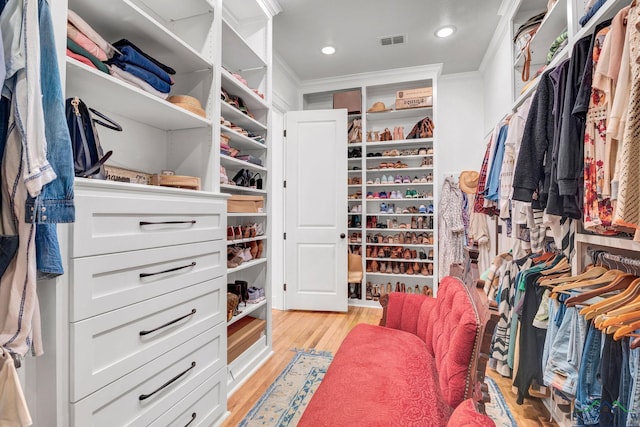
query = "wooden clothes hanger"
{"x": 603, "y": 279}
{"x": 611, "y": 303}
{"x": 588, "y": 274}
{"x": 619, "y": 284}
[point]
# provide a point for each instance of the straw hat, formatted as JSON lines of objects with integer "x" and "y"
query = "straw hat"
{"x": 378, "y": 107}
{"x": 469, "y": 181}
{"x": 189, "y": 103}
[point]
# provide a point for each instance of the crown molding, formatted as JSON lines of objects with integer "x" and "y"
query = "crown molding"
{"x": 287, "y": 70}
{"x": 506, "y": 12}
{"x": 272, "y": 6}
{"x": 396, "y": 75}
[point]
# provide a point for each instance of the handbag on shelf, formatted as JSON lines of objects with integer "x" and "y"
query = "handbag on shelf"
{"x": 522, "y": 40}
{"x": 423, "y": 129}
{"x": 88, "y": 157}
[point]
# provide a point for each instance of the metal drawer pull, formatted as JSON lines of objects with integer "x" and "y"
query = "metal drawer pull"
{"x": 146, "y": 396}
{"x": 193, "y": 221}
{"x": 143, "y": 333}
{"x": 193, "y": 264}
{"x": 193, "y": 418}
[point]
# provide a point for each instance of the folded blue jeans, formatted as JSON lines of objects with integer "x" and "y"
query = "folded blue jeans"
{"x": 145, "y": 75}
{"x": 131, "y": 56}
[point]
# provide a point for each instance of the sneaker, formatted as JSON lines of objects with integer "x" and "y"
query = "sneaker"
{"x": 430, "y": 209}
{"x": 390, "y": 208}
{"x": 422, "y": 209}
{"x": 383, "y": 207}
{"x": 383, "y": 180}
{"x": 398, "y": 210}
{"x": 398, "y": 179}
{"x": 377, "y": 181}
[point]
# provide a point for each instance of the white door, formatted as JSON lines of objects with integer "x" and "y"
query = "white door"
{"x": 316, "y": 210}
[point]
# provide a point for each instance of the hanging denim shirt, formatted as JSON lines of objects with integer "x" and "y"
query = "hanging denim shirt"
{"x": 492, "y": 191}
{"x": 55, "y": 202}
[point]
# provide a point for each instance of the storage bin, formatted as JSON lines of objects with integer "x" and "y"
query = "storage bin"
{"x": 245, "y": 204}
{"x": 243, "y": 334}
{"x": 351, "y": 100}
{"x": 414, "y": 98}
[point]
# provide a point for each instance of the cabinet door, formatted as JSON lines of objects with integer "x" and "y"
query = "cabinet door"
{"x": 315, "y": 210}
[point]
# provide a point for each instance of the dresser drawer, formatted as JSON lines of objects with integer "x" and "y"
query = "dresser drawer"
{"x": 105, "y": 347}
{"x": 110, "y": 221}
{"x": 140, "y": 397}
{"x": 202, "y": 407}
{"x": 107, "y": 282}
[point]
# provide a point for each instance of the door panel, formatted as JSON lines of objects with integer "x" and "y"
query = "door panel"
{"x": 315, "y": 210}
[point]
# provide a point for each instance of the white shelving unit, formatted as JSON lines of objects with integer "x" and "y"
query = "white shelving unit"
{"x": 246, "y": 51}
{"x": 180, "y": 271}
{"x": 375, "y": 87}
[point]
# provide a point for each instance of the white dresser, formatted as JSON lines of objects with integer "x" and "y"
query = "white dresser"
{"x": 147, "y": 306}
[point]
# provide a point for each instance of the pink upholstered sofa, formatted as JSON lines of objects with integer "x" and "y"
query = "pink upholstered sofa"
{"x": 414, "y": 371}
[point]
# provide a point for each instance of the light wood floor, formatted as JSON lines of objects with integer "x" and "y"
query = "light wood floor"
{"x": 325, "y": 331}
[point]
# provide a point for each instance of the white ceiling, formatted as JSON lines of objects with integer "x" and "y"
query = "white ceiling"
{"x": 355, "y": 26}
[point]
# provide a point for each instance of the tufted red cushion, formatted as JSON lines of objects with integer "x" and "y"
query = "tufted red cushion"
{"x": 378, "y": 377}
{"x": 466, "y": 415}
{"x": 451, "y": 333}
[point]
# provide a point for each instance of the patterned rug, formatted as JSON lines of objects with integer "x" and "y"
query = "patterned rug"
{"x": 285, "y": 400}
{"x": 497, "y": 409}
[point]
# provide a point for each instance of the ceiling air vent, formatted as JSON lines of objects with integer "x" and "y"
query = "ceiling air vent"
{"x": 391, "y": 40}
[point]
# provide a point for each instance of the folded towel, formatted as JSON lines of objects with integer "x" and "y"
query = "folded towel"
{"x": 76, "y": 48}
{"x": 157, "y": 83}
{"x": 85, "y": 42}
{"x": 129, "y": 55}
{"x": 135, "y": 81}
{"x": 81, "y": 58}
{"x": 124, "y": 42}
{"x": 86, "y": 29}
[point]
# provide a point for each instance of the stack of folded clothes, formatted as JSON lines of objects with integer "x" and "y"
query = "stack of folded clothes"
{"x": 85, "y": 44}
{"x": 134, "y": 66}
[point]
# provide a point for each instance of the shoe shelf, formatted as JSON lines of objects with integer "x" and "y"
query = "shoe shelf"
{"x": 404, "y": 199}
{"x": 400, "y": 143}
{"x": 354, "y": 200}
{"x": 237, "y": 188}
{"x": 233, "y": 86}
{"x": 246, "y": 311}
{"x": 98, "y": 88}
{"x": 354, "y": 213}
{"x": 384, "y": 259}
{"x": 424, "y": 168}
{"x": 399, "y": 229}
{"x": 355, "y": 145}
{"x": 228, "y": 160}
{"x": 407, "y": 245}
{"x": 394, "y": 115}
{"x": 354, "y": 185}
{"x": 355, "y": 229}
{"x": 405, "y": 157}
{"x": 239, "y": 118}
{"x": 243, "y": 214}
{"x": 247, "y": 264}
{"x": 406, "y": 184}
{"x": 354, "y": 159}
{"x": 407, "y": 276}
{"x": 240, "y": 241}
{"x": 241, "y": 141}
{"x": 355, "y": 171}
{"x": 408, "y": 215}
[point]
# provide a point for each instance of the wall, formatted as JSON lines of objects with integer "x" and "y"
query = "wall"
{"x": 460, "y": 123}
{"x": 286, "y": 88}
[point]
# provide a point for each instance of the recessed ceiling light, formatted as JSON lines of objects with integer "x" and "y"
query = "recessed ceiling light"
{"x": 328, "y": 50}
{"x": 445, "y": 31}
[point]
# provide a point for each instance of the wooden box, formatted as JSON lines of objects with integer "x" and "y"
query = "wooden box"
{"x": 245, "y": 204}
{"x": 243, "y": 334}
{"x": 177, "y": 181}
{"x": 351, "y": 100}
{"x": 126, "y": 175}
{"x": 414, "y": 98}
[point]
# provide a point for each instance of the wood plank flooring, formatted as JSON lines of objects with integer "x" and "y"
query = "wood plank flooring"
{"x": 325, "y": 331}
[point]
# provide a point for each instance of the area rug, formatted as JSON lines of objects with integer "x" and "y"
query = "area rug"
{"x": 286, "y": 398}
{"x": 497, "y": 409}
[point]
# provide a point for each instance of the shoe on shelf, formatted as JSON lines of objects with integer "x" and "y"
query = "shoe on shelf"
{"x": 422, "y": 209}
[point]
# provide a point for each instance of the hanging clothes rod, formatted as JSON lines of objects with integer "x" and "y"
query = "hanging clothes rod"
{"x": 598, "y": 255}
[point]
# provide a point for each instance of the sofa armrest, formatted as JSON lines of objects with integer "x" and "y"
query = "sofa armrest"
{"x": 406, "y": 312}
